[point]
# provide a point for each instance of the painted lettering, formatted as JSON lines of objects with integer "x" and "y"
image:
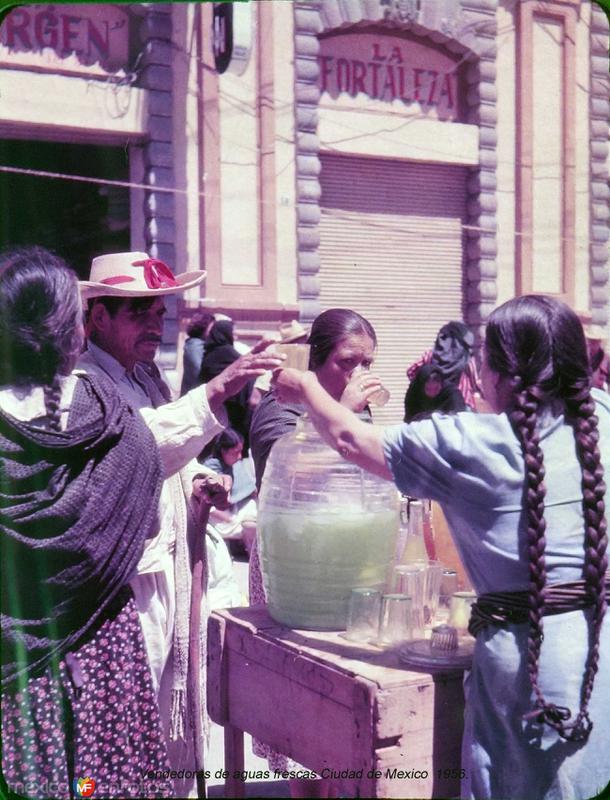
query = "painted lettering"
{"x": 343, "y": 74}
{"x": 389, "y": 75}
{"x": 389, "y": 85}
{"x": 446, "y": 91}
{"x": 325, "y": 71}
{"x": 96, "y": 40}
{"x": 375, "y": 73}
{"x": 45, "y": 30}
{"x": 418, "y": 82}
{"x": 16, "y": 27}
{"x": 358, "y": 77}
{"x": 377, "y": 54}
{"x": 433, "y": 76}
{"x": 69, "y": 32}
{"x": 395, "y": 56}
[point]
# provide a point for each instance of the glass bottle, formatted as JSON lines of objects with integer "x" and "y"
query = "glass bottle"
{"x": 415, "y": 548}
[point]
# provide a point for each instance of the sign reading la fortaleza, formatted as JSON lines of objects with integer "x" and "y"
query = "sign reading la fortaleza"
{"x": 67, "y": 38}
{"x": 389, "y": 68}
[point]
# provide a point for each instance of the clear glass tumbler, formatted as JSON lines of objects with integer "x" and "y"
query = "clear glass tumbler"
{"x": 409, "y": 580}
{"x": 395, "y": 620}
{"x": 363, "y": 615}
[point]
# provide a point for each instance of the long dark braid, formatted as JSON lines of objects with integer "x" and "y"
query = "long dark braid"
{"x": 523, "y": 419}
{"x": 52, "y": 398}
{"x": 582, "y": 415}
{"x": 539, "y": 344}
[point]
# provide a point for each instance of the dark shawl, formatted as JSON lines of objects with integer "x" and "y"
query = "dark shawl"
{"x": 417, "y": 403}
{"x": 452, "y": 350}
{"x": 270, "y": 420}
{"x": 220, "y": 354}
{"x": 75, "y": 509}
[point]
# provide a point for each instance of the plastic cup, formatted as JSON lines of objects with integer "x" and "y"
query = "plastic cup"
{"x": 363, "y": 615}
{"x": 297, "y": 355}
{"x": 395, "y": 620}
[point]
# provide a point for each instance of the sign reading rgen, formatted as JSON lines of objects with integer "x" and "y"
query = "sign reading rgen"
{"x": 66, "y": 38}
{"x": 391, "y": 68}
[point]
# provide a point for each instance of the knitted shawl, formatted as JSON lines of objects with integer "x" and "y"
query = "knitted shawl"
{"x": 75, "y": 509}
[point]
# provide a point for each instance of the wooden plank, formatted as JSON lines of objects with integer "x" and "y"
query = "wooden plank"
{"x": 234, "y": 762}
{"x": 412, "y": 708}
{"x": 332, "y": 705}
{"x": 305, "y": 723}
{"x": 215, "y": 678}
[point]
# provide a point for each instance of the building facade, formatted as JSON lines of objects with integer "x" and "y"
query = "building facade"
{"x": 416, "y": 160}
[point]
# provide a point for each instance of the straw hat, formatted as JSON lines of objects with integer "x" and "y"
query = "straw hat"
{"x": 135, "y": 275}
{"x": 290, "y": 331}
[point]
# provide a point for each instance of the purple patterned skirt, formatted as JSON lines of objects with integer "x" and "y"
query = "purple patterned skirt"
{"x": 108, "y": 731}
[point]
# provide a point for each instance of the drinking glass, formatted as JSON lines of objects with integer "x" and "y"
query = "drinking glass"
{"x": 381, "y": 396}
{"x": 409, "y": 580}
{"x": 297, "y": 355}
{"x": 363, "y": 615}
{"x": 433, "y": 573}
{"x": 395, "y": 620}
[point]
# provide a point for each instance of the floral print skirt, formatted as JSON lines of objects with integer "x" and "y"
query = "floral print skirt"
{"x": 106, "y": 732}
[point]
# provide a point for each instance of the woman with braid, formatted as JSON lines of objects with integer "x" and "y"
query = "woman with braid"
{"x": 524, "y": 494}
{"x": 79, "y": 485}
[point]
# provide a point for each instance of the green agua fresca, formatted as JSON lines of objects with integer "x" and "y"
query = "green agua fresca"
{"x": 325, "y": 527}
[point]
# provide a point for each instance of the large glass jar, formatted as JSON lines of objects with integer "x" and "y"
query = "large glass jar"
{"x": 325, "y": 527}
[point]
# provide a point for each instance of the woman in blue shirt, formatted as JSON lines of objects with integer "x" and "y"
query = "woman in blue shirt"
{"x": 523, "y": 493}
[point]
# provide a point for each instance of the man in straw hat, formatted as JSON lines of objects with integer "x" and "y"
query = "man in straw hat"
{"x": 125, "y": 295}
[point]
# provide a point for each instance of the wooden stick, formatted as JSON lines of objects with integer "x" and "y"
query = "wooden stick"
{"x": 194, "y": 668}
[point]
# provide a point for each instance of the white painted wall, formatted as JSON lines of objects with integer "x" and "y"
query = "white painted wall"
{"x": 547, "y": 152}
{"x": 69, "y": 106}
{"x": 506, "y": 104}
{"x": 238, "y": 134}
{"x": 186, "y": 143}
{"x": 582, "y": 182}
{"x": 285, "y": 167}
{"x": 358, "y": 131}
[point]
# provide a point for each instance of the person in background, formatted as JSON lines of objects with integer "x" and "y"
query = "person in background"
{"x": 125, "y": 319}
{"x": 77, "y": 690}
{"x": 428, "y": 392}
{"x": 239, "y": 520}
{"x": 220, "y": 354}
{"x": 241, "y": 347}
{"x": 524, "y": 494}
{"x": 342, "y": 352}
{"x": 452, "y": 354}
{"x": 598, "y": 356}
{"x": 194, "y": 348}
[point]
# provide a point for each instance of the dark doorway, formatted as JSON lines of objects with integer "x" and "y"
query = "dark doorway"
{"x": 75, "y": 219}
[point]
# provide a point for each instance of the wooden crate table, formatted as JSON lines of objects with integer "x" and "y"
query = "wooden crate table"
{"x": 347, "y": 711}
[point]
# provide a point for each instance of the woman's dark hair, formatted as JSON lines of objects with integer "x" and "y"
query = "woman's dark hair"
{"x": 221, "y": 333}
{"x": 539, "y": 344}
{"x": 40, "y": 322}
{"x": 199, "y": 324}
{"x": 418, "y": 405}
{"x": 225, "y": 440}
{"x": 331, "y": 327}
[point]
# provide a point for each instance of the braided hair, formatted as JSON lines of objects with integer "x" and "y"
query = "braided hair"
{"x": 539, "y": 345}
{"x": 41, "y": 331}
